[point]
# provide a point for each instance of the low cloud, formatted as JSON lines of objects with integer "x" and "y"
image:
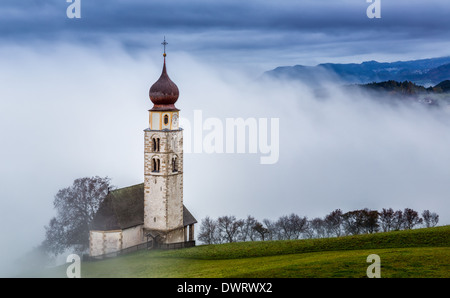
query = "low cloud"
{"x": 69, "y": 112}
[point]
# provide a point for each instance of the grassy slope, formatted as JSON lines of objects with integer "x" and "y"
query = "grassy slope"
{"x": 415, "y": 253}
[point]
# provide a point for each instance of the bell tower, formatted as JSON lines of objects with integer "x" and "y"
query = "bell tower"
{"x": 163, "y": 162}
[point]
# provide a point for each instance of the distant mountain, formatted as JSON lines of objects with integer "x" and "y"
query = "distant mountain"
{"x": 426, "y": 72}
{"x": 392, "y": 91}
{"x": 398, "y": 88}
{"x": 444, "y": 86}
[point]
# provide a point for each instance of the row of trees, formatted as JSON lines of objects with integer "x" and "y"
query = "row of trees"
{"x": 76, "y": 206}
{"x": 334, "y": 224}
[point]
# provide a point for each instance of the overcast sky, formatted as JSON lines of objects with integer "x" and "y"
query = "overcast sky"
{"x": 266, "y": 33}
{"x": 74, "y": 102}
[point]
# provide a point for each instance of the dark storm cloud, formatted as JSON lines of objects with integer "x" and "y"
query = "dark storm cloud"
{"x": 229, "y": 23}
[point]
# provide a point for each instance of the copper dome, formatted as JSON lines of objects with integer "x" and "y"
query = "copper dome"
{"x": 164, "y": 93}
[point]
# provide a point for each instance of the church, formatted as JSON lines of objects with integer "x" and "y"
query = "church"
{"x": 151, "y": 213}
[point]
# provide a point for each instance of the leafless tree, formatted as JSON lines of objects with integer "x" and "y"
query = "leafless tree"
{"x": 387, "y": 219}
{"x": 272, "y": 229}
{"x": 333, "y": 223}
{"x": 229, "y": 228}
{"x": 317, "y": 226}
{"x": 430, "y": 219}
{"x": 434, "y": 219}
{"x": 208, "y": 231}
{"x": 75, "y": 207}
{"x": 298, "y": 225}
{"x": 398, "y": 221}
{"x": 411, "y": 218}
{"x": 371, "y": 224}
{"x": 291, "y": 226}
{"x": 260, "y": 230}
{"x": 360, "y": 221}
{"x": 285, "y": 228}
{"x": 247, "y": 231}
{"x": 353, "y": 222}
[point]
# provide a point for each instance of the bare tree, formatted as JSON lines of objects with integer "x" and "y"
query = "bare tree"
{"x": 317, "y": 226}
{"x": 247, "y": 231}
{"x": 411, "y": 218}
{"x": 333, "y": 223}
{"x": 208, "y": 231}
{"x": 360, "y": 221}
{"x": 272, "y": 229}
{"x": 387, "y": 219}
{"x": 260, "y": 230}
{"x": 371, "y": 221}
{"x": 229, "y": 228}
{"x": 75, "y": 206}
{"x": 298, "y": 225}
{"x": 434, "y": 219}
{"x": 430, "y": 219}
{"x": 291, "y": 227}
{"x": 353, "y": 222}
{"x": 398, "y": 222}
{"x": 283, "y": 228}
{"x": 308, "y": 231}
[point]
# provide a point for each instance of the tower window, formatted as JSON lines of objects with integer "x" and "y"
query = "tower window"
{"x": 174, "y": 164}
{"x": 166, "y": 119}
{"x": 155, "y": 165}
{"x": 155, "y": 144}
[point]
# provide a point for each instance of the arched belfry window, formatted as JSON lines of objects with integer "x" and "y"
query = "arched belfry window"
{"x": 174, "y": 164}
{"x": 156, "y": 145}
{"x": 166, "y": 119}
{"x": 155, "y": 164}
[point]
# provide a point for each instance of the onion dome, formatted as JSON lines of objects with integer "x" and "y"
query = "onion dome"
{"x": 164, "y": 93}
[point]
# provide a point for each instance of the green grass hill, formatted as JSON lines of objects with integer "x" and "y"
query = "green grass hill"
{"x": 404, "y": 254}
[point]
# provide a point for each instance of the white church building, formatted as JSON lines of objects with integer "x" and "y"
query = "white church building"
{"x": 152, "y": 212}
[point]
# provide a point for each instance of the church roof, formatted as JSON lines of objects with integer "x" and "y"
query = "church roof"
{"x": 124, "y": 208}
{"x": 188, "y": 219}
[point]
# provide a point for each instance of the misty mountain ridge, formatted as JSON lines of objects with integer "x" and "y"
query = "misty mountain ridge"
{"x": 394, "y": 92}
{"x": 407, "y": 87}
{"x": 425, "y": 72}
{"x": 438, "y": 95}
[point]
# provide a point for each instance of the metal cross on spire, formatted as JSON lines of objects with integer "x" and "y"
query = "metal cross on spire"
{"x": 164, "y": 43}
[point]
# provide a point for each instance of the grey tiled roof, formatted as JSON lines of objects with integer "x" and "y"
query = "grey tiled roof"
{"x": 124, "y": 208}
